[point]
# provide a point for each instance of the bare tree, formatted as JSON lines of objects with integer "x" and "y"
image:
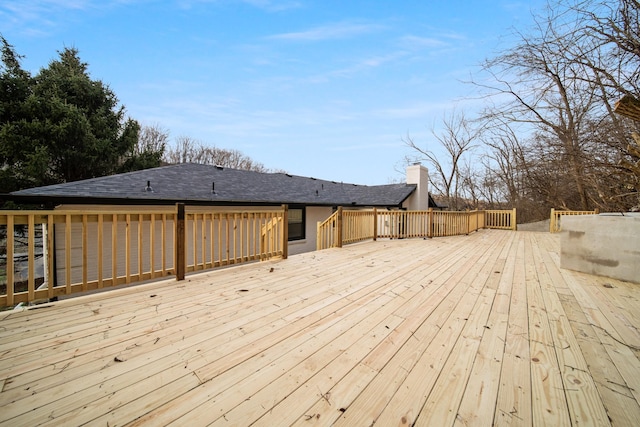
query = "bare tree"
{"x": 505, "y": 160}
{"x": 562, "y": 79}
{"x": 614, "y": 29}
{"x": 457, "y": 137}
{"x": 545, "y": 92}
{"x": 549, "y": 136}
{"x": 188, "y": 150}
{"x": 470, "y": 179}
{"x": 149, "y": 150}
{"x": 184, "y": 151}
{"x": 152, "y": 138}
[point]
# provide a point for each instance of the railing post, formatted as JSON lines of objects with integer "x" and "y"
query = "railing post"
{"x": 10, "y": 267}
{"x": 285, "y": 231}
{"x": 31, "y": 243}
{"x": 180, "y": 244}
{"x": 339, "y": 228}
{"x": 468, "y": 215}
{"x": 430, "y": 223}
{"x": 552, "y": 221}
{"x": 514, "y": 222}
{"x": 375, "y": 224}
{"x": 51, "y": 253}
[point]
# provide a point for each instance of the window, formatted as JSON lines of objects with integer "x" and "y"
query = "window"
{"x": 296, "y": 223}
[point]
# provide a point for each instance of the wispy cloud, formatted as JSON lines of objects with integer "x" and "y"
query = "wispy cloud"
{"x": 358, "y": 66}
{"x": 335, "y": 31}
{"x": 274, "y": 5}
{"x": 30, "y": 10}
{"x": 40, "y": 17}
{"x": 414, "y": 110}
{"x": 266, "y": 5}
{"x": 364, "y": 147}
{"x": 416, "y": 42}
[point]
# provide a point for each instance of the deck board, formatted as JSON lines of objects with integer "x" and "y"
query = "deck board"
{"x": 471, "y": 330}
{"x": 585, "y": 406}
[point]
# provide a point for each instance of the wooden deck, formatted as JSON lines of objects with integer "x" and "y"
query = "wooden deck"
{"x": 471, "y": 330}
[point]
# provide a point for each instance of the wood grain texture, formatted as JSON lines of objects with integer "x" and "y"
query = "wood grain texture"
{"x": 484, "y": 329}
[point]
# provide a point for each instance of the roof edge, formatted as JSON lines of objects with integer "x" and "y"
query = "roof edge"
{"x": 51, "y": 201}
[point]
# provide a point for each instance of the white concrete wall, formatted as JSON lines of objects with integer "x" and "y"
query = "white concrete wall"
{"x": 605, "y": 245}
{"x": 315, "y": 214}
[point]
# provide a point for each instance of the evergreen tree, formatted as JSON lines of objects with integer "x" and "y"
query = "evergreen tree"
{"x": 15, "y": 88}
{"x": 62, "y": 126}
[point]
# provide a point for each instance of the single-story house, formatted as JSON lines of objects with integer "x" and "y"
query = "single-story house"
{"x": 309, "y": 200}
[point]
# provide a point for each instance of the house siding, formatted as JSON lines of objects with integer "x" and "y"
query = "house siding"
{"x": 314, "y": 214}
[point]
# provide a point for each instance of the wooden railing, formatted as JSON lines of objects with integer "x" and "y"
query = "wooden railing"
{"x": 448, "y": 223}
{"x": 329, "y": 234}
{"x": 402, "y": 224}
{"x": 555, "y": 221}
{"x": 349, "y": 226}
{"x": 274, "y": 236}
{"x": 226, "y": 238}
{"x": 52, "y": 253}
{"x": 500, "y": 219}
{"x": 358, "y": 225}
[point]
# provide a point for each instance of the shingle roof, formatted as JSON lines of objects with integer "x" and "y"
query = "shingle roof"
{"x": 193, "y": 183}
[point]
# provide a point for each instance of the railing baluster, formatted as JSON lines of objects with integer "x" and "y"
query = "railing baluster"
{"x": 212, "y": 238}
{"x": 31, "y": 256}
{"x": 152, "y": 245}
{"x": 203, "y": 241}
{"x": 67, "y": 248}
{"x": 50, "y": 255}
{"x": 194, "y": 238}
{"x": 127, "y": 249}
{"x": 100, "y": 249}
{"x": 180, "y": 257}
{"x": 85, "y": 249}
{"x": 163, "y": 250}
{"x": 10, "y": 262}
{"x": 219, "y": 238}
{"x": 140, "y": 263}
{"x": 114, "y": 249}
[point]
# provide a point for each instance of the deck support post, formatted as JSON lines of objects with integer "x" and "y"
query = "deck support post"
{"x": 181, "y": 243}
{"x": 339, "y": 228}
{"x": 468, "y": 222}
{"x": 375, "y": 224}
{"x": 285, "y": 231}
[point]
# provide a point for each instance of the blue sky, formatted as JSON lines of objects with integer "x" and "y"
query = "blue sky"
{"x": 321, "y": 88}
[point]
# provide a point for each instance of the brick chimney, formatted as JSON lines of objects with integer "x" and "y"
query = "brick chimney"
{"x": 419, "y": 200}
